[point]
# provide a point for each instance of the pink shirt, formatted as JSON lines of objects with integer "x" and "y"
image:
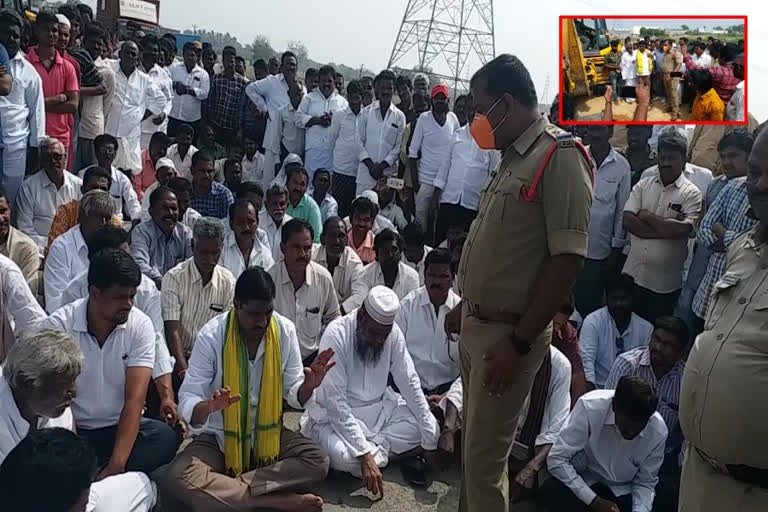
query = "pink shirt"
{"x": 142, "y": 181}
{"x": 61, "y": 79}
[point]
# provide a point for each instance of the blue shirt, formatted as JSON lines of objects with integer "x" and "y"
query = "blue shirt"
{"x": 5, "y": 60}
{"x": 215, "y": 203}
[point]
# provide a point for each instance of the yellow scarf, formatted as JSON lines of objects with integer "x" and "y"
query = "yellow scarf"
{"x": 640, "y": 63}
{"x": 240, "y": 456}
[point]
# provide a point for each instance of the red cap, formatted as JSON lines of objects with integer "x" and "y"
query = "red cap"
{"x": 440, "y": 88}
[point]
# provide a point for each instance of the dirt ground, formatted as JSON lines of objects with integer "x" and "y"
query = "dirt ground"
{"x": 586, "y": 106}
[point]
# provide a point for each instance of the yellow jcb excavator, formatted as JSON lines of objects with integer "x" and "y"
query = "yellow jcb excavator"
{"x": 585, "y": 41}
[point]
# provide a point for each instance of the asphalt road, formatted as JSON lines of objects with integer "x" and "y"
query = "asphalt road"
{"x": 343, "y": 492}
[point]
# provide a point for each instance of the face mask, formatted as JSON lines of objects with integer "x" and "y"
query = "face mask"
{"x": 482, "y": 131}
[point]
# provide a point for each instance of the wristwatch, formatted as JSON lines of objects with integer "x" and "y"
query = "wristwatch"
{"x": 520, "y": 345}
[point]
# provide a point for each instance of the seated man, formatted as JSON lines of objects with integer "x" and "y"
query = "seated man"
{"x": 209, "y": 197}
{"x": 17, "y": 246}
{"x": 378, "y": 222}
{"x": 233, "y": 174}
{"x": 43, "y": 192}
{"x": 304, "y": 289}
{"x": 388, "y": 270}
{"x": 121, "y": 188}
{"x": 69, "y": 253}
{"x": 162, "y": 242}
{"x": 18, "y": 305}
{"x": 321, "y": 184}
{"x": 242, "y": 247}
{"x": 338, "y": 258}
{"x": 53, "y": 469}
{"x": 244, "y": 364}
{"x": 150, "y": 157}
{"x": 255, "y": 194}
{"x": 37, "y": 387}
{"x": 608, "y": 453}
{"x": 707, "y": 106}
{"x": 195, "y": 291}
{"x": 182, "y": 187}
{"x": 360, "y": 236}
{"x": 355, "y": 417}
{"x": 272, "y": 217}
{"x": 565, "y": 338}
{"x": 68, "y": 214}
{"x": 661, "y": 365}
{"x": 300, "y": 204}
{"x": 421, "y": 318}
{"x": 165, "y": 171}
{"x": 610, "y": 331}
{"x": 415, "y": 249}
{"x": 118, "y": 343}
{"x": 147, "y": 300}
{"x": 390, "y": 209}
{"x": 182, "y": 151}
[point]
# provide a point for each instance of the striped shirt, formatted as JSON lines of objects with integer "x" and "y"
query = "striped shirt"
{"x": 637, "y": 363}
{"x": 185, "y": 299}
{"x": 729, "y": 209}
{"x": 722, "y": 78}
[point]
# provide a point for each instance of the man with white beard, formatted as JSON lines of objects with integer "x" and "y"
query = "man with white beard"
{"x": 354, "y": 416}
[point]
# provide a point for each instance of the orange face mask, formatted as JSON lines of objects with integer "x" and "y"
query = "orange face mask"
{"x": 482, "y": 130}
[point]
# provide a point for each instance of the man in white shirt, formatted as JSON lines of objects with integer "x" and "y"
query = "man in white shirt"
{"x": 304, "y": 289}
{"x": 242, "y": 247}
{"x": 315, "y": 115}
{"x": 611, "y": 330}
{"x": 606, "y": 230}
{"x": 118, "y": 343}
{"x": 608, "y": 453}
{"x": 182, "y": 151}
{"x": 628, "y": 69}
{"x": 421, "y": 318}
{"x": 214, "y": 472}
{"x": 252, "y": 162}
{"x": 415, "y": 249}
{"x": 734, "y": 110}
{"x": 272, "y": 218}
{"x": 36, "y": 387}
{"x": 380, "y": 130}
{"x": 660, "y": 216}
{"x": 42, "y": 193}
{"x": 149, "y": 57}
{"x": 459, "y": 182}
{"x": 182, "y": 187}
{"x": 68, "y": 255}
{"x": 344, "y": 140}
{"x": 700, "y": 57}
{"x": 388, "y": 270}
{"x": 290, "y": 136}
{"x": 136, "y": 97}
{"x": 269, "y": 95}
{"x": 321, "y": 183}
{"x": 388, "y": 207}
{"x": 22, "y": 112}
{"x": 18, "y": 305}
{"x": 355, "y": 416}
{"x": 123, "y": 195}
{"x": 191, "y": 84}
{"x": 429, "y": 151}
{"x": 338, "y": 258}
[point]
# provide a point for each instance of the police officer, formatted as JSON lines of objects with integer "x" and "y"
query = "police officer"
{"x": 521, "y": 257}
{"x": 723, "y": 404}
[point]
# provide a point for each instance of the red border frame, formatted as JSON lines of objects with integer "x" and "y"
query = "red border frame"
{"x": 639, "y": 16}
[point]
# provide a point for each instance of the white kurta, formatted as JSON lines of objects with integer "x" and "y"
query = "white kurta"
{"x": 129, "y": 492}
{"x": 232, "y": 257}
{"x": 371, "y": 275}
{"x": 134, "y": 95}
{"x": 354, "y": 412}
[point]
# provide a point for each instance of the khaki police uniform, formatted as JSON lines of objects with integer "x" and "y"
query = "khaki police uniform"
{"x": 507, "y": 246}
{"x": 723, "y": 399}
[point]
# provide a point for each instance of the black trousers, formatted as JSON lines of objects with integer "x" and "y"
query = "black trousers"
{"x": 557, "y": 497}
{"x": 452, "y": 215}
{"x": 651, "y": 305}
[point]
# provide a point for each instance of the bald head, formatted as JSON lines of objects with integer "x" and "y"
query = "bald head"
{"x": 129, "y": 57}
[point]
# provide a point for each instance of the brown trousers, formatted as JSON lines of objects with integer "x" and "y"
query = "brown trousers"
{"x": 673, "y": 99}
{"x": 489, "y": 423}
{"x": 196, "y": 476}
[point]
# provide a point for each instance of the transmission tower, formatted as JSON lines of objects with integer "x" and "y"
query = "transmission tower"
{"x": 449, "y": 38}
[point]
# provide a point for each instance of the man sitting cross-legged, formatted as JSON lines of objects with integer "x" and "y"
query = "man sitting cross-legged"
{"x": 355, "y": 416}
{"x": 244, "y": 364}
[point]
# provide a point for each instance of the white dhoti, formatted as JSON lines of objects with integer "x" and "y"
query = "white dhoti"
{"x": 317, "y": 158}
{"x": 389, "y": 426}
{"x": 271, "y": 159}
{"x": 129, "y": 492}
{"x": 13, "y": 168}
{"x": 128, "y": 154}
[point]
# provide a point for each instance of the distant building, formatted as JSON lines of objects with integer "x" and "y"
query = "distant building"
{"x": 636, "y": 29}
{"x": 705, "y": 30}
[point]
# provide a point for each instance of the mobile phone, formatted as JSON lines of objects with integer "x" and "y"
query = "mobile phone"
{"x": 627, "y": 91}
{"x": 599, "y": 90}
{"x": 395, "y": 183}
{"x": 676, "y": 74}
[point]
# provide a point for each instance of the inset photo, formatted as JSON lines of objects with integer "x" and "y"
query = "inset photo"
{"x": 657, "y": 69}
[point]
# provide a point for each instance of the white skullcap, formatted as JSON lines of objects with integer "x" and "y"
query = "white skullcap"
{"x": 382, "y": 304}
{"x": 165, "y": 162}
{"x": 371, "y": 195}
{"x": 63, "y": 20}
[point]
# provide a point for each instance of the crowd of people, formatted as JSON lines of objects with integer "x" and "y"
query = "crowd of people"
{"x": 189, "y": 254}
{"x": 709, "y": 77}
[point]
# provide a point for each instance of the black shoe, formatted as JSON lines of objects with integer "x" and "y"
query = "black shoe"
{"x": 415, "y": 471}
